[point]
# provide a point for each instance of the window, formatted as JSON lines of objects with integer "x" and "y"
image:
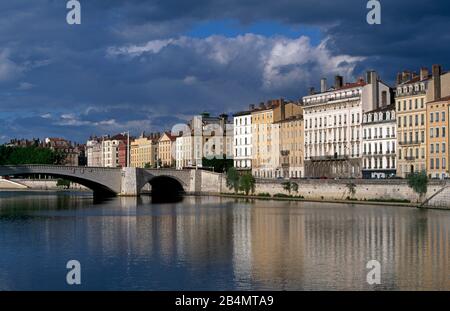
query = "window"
{"x": 443, "y": 148}
{"x": 432, "y": 164}
{"x": 431, "y": 117}
{"x": 432, "y": 148}
{"x": 437, "y": 116}
{"x": 443, "y": 116}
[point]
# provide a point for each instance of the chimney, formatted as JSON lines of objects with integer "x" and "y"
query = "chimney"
{"x": 423, "y": 73}
{"x": 323, "y": 85}
{"x": 262, "y": 106}
{"x": 312, "y": 91}
{"x": 437, "y": 70}
{"x": 414, "y": 75}
{"x": 251, "y": 107}
{"x": 372, "y": 79}
{"x": 399, "y": 78}
{"x": 338, "y": 82}
{"x": 283, "y": 110}
{"x": 406, "y": 76}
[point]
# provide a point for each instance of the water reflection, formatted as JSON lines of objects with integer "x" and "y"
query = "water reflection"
{"x": 212, "y": 243}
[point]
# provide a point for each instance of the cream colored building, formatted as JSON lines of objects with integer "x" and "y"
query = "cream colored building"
{"x": 166, "y": 155}
{"x": 265, "y": 136}
{"x": 144, "y": 151}
{"x": 291, "y": 147}
{"x": 333, "y": 123}
{"x": 414, "y": 91}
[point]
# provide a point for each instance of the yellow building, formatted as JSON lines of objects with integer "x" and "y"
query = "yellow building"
{"x": 265, "y": 137}
{"x": 165, "y": 156}
{"x": 291, "y": 136}
{"x": 413, "y": 93}
{"x": 437, "y": 135}
{"x": 144, "y": 151}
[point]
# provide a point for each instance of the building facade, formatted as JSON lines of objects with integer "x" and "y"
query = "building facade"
{"x": 94, "y": 152}
{"x": 114, "y": 151}
{"x": 291, "y": 147}
{"x": 379, "y": 143}
{"x": 437, "y": 138}
{"x": 266, "y": 138}
{"x": 333, "y": 124}
{"x": 165, "y": 144}
{"x": 144, "y": 151}
{"x": 243, "y": 140}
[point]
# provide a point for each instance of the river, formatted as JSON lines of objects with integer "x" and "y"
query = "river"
{"x": 212, "y": 243}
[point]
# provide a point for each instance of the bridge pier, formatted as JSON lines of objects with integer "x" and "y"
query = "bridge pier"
{"x": 129, "y": 182}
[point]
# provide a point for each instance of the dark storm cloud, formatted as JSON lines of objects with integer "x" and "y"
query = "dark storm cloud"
{"x": 129, "y": 66}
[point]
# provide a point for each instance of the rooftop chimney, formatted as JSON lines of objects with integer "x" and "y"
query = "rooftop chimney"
{"x": 399, "y": 78}
{"x": 251, "y": 107}
{"x": 262, "y": 106}
{"x": 283, "y": 110}
{"x": 437, "y": 70}
{"x": 406, "y": 76}
{"x": 323, "y": 85}
{"x": 312, "y": 91}
{"x": 338, "y": 82}
{"x": 423, "y": 73}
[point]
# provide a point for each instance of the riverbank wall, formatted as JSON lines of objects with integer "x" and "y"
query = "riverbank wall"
{"x": 369, "y": 190}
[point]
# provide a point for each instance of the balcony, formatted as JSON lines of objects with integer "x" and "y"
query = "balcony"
{"x": 329, "y": 158}
{"x": 412, "y": 142}
{"x": 410, "y": 158}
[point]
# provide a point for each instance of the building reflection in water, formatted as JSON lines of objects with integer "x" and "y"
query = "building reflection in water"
{"x": 214, "y": 243}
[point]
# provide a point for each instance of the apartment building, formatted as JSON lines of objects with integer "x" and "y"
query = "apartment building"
{"x": 413, "y": 93}
{"x": 144, "y": 150}
{"x": 204, "y": 137}
{"x": 94, "y": 152}
{"x": 265, "y": 136}
{"x": 291, "y": 147}
{"x": 243, "y": 139}
{"x": 379, "y": 143}
{"x": 165, "y": 156}
{"x": 114, "y": 151}
{"x": 333, "y": 124}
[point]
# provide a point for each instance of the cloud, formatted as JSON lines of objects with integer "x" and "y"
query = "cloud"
{"x": 9, "y": 70}
{"x": 25, "y": 86}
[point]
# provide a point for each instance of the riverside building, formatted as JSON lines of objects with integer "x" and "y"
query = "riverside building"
{"x": 333, "y": 124}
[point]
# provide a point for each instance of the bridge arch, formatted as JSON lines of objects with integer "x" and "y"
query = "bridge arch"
{"x": 103, "y": 182}
{"x": 166, "y": 188}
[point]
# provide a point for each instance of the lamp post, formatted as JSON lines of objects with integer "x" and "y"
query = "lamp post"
{"x": 128, "y": 147}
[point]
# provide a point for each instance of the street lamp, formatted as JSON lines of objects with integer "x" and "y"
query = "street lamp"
{"x": 128, "y": 147}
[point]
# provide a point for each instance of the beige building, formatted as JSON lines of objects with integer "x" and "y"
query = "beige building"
{"x": 414, "y": 91}
{"x": 291, "y": 147}
{"x": 437, "y": 137}
{"x": 165, "y": 156}
{"x": 265, "y": 136}
{"x": 144, "y": 151}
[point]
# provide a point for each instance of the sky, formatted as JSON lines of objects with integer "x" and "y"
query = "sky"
{"x": 144, "y": 65}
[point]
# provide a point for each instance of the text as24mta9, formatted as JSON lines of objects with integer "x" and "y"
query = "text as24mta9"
{"x": 225, "y": 301}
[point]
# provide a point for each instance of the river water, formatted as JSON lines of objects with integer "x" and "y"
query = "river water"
{"x": 211, "y": 243}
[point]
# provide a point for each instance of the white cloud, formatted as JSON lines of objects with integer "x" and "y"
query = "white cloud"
{"x": 277, "y": 63}
{"x": 9, "y": 70}
{"x": 25, "y": 86}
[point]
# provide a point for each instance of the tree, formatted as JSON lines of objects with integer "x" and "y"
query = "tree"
{"x": 147, "y": 165}
{"x": 247, "y": 183}
{"x": 63, "y": 183}
{"x": 219, "y": 165}
{"x": 351, "y": 187}
{"x": 233, "y": 179}
{"x": 418, "y": 182}
{"x": 29, "y": 155}
{"x": 290, "y": 186}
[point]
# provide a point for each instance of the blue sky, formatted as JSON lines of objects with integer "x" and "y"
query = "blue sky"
{"x": 144, "y": 65}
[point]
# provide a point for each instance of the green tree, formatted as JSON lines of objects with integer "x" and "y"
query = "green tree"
{"x": 247, "y": 183}
{"x": 29, "y": 155}
{"x": 219, "y": 165}
{"x": 147, "y": 165}
{"x": 351, "y": 187}
{"x": 64, "y": 183}
{"x": 290, "y": 186}
{"x": 418, "y": 182}
{"x": 233, "y": 179}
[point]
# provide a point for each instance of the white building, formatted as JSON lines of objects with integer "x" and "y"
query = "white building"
{"x": 379, "y": 143}
{"x": 94, "y": 152}
{"x": 242, "y": 140}
{"x": 333, "y": 123}
{"x": 184, "y": 151}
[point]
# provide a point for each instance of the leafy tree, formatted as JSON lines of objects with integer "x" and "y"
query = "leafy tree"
{"x": 247, "y": 183}
{"x": 351, "y": 187}
{"x": 418, "y": 182}
{"x": 290, "y": 186}
{"x": 63, "y": 183}
{"x": 147, "y": 165}
{"x": 29, "y": 155}
{"x": 233, "y": 179}
{"x": 219, "y": 165}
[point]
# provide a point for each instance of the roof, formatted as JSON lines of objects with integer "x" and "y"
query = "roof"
{"x": 169, "y": 135}
{"x": 383, "y": 109}
{"x": 291, "y": 118}
{"x": 442, "y": 99}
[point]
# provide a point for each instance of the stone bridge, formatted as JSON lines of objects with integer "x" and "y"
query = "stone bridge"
{"x": 122, "y": 181}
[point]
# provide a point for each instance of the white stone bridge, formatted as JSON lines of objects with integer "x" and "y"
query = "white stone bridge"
{"x": 116, "y": 181}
